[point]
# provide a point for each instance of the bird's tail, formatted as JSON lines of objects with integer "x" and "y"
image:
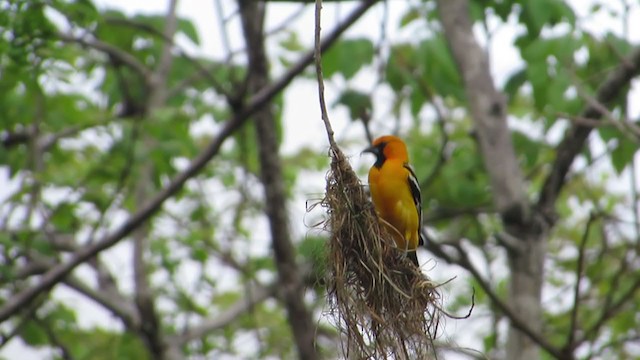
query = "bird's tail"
{"x": 422, "y": 237}
{"x": 414, "y": 258}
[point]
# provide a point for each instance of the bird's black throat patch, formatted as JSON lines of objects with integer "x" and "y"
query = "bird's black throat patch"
{"x": 379, "y": 152}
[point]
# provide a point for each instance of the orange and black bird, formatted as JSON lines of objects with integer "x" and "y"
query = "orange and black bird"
{"x": 396, "y": 193}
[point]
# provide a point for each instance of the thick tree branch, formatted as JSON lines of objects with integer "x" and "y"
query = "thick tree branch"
{"x": 57, "y": 273}
{"x": 145, "y": 299}
{"x": 289, "y": 277}
{"x": 488, "y": 109}
{"x": 577, "y": 135}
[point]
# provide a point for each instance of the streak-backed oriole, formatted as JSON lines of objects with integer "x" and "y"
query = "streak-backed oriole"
{"x": 396, "y": 193}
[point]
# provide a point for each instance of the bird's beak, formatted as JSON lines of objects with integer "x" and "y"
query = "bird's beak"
{"x": 371, "y": 149}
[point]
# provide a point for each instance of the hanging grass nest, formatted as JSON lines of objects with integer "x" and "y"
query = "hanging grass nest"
{"x": 383, "y": 304}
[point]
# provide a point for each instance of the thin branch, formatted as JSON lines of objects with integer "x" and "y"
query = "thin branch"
{"x": 464, "y": 261}
{"x": 53, "y": 338}
{"x": 318, "y": 63}
{"x": 27, "y": 314}
{"x": 626, "y": 128}
{"x": 635, "y": 201}
{"x": 201, "y": 70}
{"x": 226, "y": 43}
{"x": 159, "y": 84}
{"x": 576, "y": 136}
{"x": 610, "y": 311}
{"x": 286, "y": 23}
{"x": 441, "y": 122}
{"x": 107, "y": 296}
{"x": 112, "y": 51}
{"x": 145, "y": 299}
{"x": 576, "y": 291}
{"x": 226, "y": 317}
{"x": 120, "y": 306}
{"x": 271, "y": 174}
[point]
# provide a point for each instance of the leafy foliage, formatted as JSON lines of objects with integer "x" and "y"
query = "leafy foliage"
{"x": 80, "y": 133}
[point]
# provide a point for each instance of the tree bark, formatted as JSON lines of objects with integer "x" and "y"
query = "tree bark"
{"x": 290, "y": 280}
{"x": 144, "y": 296}
{"x": 487, "y": 105}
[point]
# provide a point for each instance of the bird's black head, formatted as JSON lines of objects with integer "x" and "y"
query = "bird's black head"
{"x": 377, "y": 149}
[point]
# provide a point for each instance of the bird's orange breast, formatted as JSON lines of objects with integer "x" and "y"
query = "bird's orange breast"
{"x": 394, "y": 202}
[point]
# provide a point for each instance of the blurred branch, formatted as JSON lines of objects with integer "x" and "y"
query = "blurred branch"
{"x": 463, "y": 260}
{"x": 576, "y": 291}
{"x": 108, "y": 295}
{"x": 488, "y": 109}
{"x": 27, "y": 313}
{"x": 222, "y": 21}
{"x": 626, "y": 128}
{"x": 218, "y": 321}
{"x": 271, "y": 173}
{"x": 201, "y": 70}
{"x": 148, "y": 209}
{"x": 53, "y": 337}
{"x": 253, "y": 296}
{"x": 610, "y": 310}
{"x": 111, "y": 300}
{"x": 632, "y": 338}
{"x": 285, "y": 23}
{"x": 44, "y": 142}
{"x": 441, "y": 122}
{"x": 449, "y": 213}
{"x": 121, "y": 55}
{"x": 576, "y": 136}
{"x": 144, "y": 296}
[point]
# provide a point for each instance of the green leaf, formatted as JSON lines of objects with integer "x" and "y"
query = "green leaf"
{"x": 33, "y": 334}
{"x": 400, "y": 65}
{"x": 292, "y": 42}
{"x": 199, "y": 254}
{"x": 307, "y": 158}
{"x": 439, "y": 69}
{"x": 528, "y": 148}
{"x": 357, "y": 102}
{"x": 623, "y": 154}
{"x": 490, "y": 342}
{"x": 347, "y": 57}
{"x": 410, "y": 16}
{"x": 314, "y": 251}
{"x": 514, "y": 83}
{"x": 536, "y": 14}
{"x": 189, "y": 29}
{"x": 64, "y": 218}
{"x": 80, "y": 12}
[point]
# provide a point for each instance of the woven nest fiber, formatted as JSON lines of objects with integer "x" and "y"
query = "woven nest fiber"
{"x": 385, "y": 307}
